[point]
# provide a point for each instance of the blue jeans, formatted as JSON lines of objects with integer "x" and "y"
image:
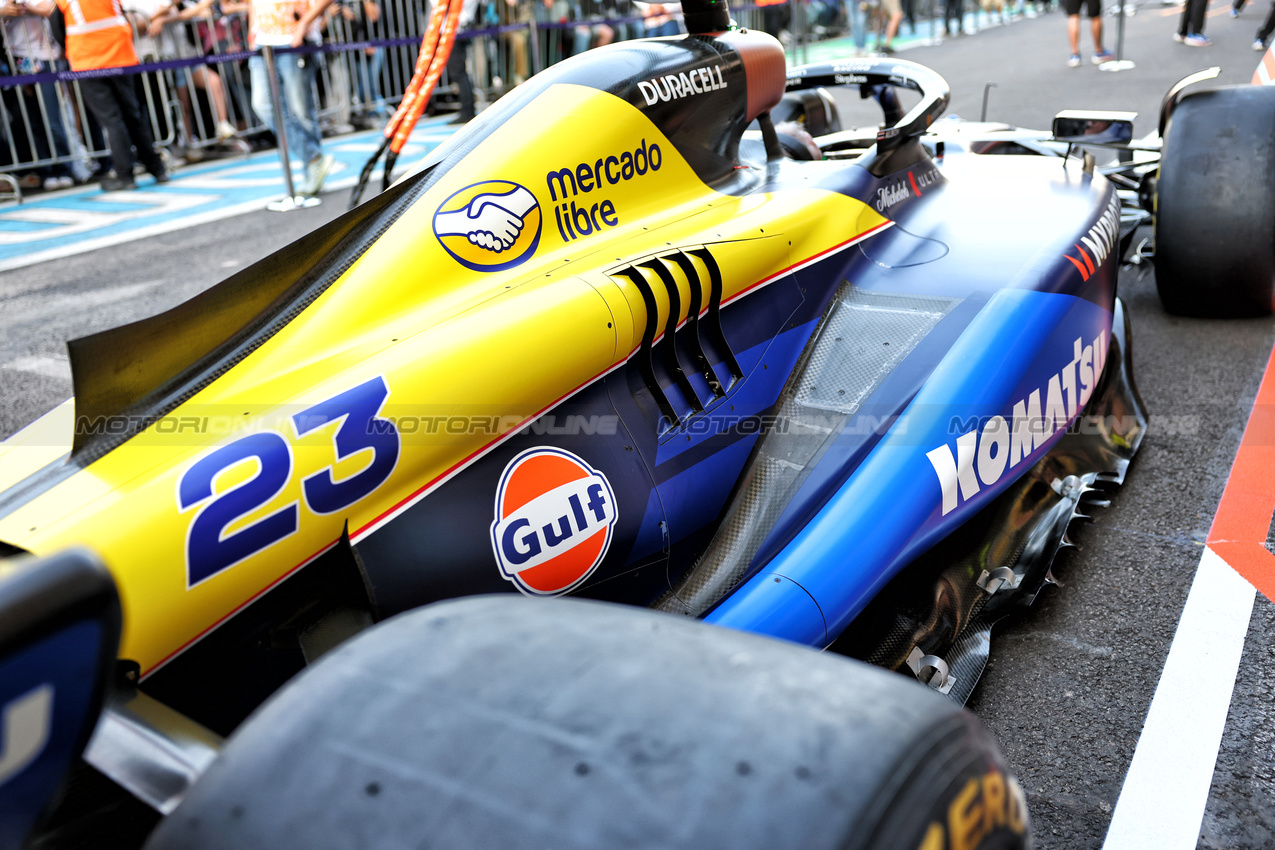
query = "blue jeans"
{"x": 300, "y": 116}
{"x": 858, "y": 24}
{"x": 367, "y": 82}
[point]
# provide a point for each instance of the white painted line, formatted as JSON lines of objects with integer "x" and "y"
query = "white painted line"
{"x": 55, "y": 215}
{"x": 81, "y": 221}
{"x": 1162, "y": 802}
{"x": 215, "y": 214}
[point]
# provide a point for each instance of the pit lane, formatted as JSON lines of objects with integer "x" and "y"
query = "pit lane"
{"x": 1069, "y": 685}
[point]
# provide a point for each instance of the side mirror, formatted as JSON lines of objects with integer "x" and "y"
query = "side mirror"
{"x": 1094, "y": 128}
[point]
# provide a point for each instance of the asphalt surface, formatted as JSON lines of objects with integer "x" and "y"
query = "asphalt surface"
{"x": 1069, "y": 684}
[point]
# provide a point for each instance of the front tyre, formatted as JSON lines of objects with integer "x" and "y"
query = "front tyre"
{"x": 1215, "y": 205}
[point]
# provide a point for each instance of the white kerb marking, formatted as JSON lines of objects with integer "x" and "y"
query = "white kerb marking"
{"x": 1165, "y": 791}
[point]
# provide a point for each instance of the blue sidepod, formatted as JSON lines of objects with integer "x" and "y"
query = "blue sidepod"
{"x": 1023, "y": 360}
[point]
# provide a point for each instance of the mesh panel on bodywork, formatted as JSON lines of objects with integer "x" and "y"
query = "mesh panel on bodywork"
{"x": 863, "y": 337}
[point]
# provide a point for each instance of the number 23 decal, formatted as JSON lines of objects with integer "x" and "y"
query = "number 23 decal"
{"x": 210, "y": 550}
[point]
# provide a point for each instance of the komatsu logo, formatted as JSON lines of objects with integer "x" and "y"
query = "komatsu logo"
{"x": 674, "y": 86}
{"x": 983, "y": 454}
{"x": 554, "y": 520}
{"x": 1100, "y": 239}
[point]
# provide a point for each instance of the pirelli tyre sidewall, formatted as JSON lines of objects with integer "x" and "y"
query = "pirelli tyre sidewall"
{"x": 950, "y": 792}
{"x": 558, "y": 723}
{"x": 1215, "y": 204}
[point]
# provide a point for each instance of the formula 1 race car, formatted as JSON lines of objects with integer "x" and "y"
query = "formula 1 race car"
{"x": 605, "y": 343}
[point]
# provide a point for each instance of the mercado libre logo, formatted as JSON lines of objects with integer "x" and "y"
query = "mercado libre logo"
{"x": 554, "y": 520}
{"x": 489, "y": 226}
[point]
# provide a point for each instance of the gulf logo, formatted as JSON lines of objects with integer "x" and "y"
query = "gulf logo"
{"x": 554, "y": 519}
{"x": 489, "y": 226}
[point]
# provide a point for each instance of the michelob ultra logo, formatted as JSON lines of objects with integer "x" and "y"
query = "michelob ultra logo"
{"x": 489, "y": 226}
{"x": 554, "y": 520}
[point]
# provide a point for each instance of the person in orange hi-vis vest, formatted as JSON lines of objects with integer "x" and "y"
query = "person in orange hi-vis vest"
{"x": 98, "y": 37}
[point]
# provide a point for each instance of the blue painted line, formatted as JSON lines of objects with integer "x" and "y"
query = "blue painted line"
{"x": 196, "y": 194}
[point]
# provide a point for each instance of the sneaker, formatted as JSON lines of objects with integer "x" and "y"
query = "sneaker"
{"x": 1235, "y": 13}
{"x": 1073, "y": 61}
{"x": 226, "y": 130}
{"x": 161, "y": 177}
{"x": 1177, "y": 36}
{"x": 1102, "y": 56}
{"x": 111, "y": 183}
{"x": 61, "y": 182}
{"x": 1196, "y": 40}
{"x": 316, "y": 171}
{"x": 1259, "y": 46}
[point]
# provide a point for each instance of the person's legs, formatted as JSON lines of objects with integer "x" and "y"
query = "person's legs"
{"x": 1073, "y": 33}
{"x": 367, "y": 80}
{"x": 259, "y": 82}
{"x": 1269, "y": 26}
{"x": 1095, "y": 29}
{"x": 300, "y": 117}
{"x": 139, "y": 126}
{"x": 101, "y": 103}
{"x": 51, "y": 108}
{"x": 210, "y": 81}
{"x": 580, "y": 43}
{"x": 1198, "y": 8}
{"x": 895, "y": 11}
{"x": 858, "y": 26}
{"x": 456, "y": 72}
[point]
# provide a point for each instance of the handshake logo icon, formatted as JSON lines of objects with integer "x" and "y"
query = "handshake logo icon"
{"x": 489, "y": 226}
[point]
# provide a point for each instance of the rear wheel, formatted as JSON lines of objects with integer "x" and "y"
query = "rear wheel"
{"x": 504, "y": 722}
{"x": 1215, "y": 204}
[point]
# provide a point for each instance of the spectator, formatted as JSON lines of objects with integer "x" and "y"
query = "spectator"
{"x": 367, "y": 70}
{"x": 587, "y": 36}
{"x": 1264, "y": 34}
{"x": 336, "y": 89}
{"x": 1094, "y": 9}
{"x": 631, "y": 25}
{"x": 659, "y": 18}
{"x": 519, "y": 11}
{"x": 859, "y": 26}
{"x": 1190, "y": 29}
{"x": 776, "y": 15}
{"x": 34, "y": 51}
{"x": 99, "y": 37}
{"x": 953, "y": 11}
{"x": 457, "y": 70}
{"x": 213, "y": 34}
{"x": 280, "y": 23}
{"x": 895, "y": 11}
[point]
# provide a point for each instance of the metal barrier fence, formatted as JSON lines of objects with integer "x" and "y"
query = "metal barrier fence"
{"x": 194, "y": 82}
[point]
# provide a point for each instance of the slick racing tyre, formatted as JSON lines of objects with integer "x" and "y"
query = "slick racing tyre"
{"x": 507, "y": 722}
{"x": 1215, "y": 204}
